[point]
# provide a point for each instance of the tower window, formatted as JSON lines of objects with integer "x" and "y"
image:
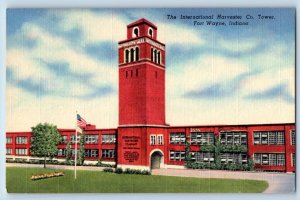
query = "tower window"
{"x": 150, "y": 32}
{"x": 136, "y": 32}
{"x": 137, "y": 54}
{"x": 158, "y": 57}
{"x": 126, "y": 55}
{"x": 131, "y": 55}
{"x": 155, "y": 57}
{"x": 152, "y": 54}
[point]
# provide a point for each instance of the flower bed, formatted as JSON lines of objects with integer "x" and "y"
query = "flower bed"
{"x": 43, "y": 176}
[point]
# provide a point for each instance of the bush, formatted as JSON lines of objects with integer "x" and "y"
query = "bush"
{"x": 119, "y": 170}
{"x": 108, "y": 170}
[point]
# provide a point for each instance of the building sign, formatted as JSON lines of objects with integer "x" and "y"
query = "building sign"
{"x": 131, "y": 147}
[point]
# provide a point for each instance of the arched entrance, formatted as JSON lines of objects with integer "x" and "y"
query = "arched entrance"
{"x": 156, "y": 160}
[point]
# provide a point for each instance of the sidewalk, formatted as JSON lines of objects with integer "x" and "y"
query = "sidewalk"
{"x": 278, "y": 182}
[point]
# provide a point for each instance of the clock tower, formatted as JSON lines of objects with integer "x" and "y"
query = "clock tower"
{"x": 141, "y": 94}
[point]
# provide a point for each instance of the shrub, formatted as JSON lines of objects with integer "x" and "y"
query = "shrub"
{"x": 108, "y": 170}
{"x": 119, "y": 170}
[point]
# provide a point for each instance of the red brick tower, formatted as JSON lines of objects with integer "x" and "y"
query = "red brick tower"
{"x": 141, "y": 92}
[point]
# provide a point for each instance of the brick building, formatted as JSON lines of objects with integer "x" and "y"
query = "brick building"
{"x": 143, "y": 140}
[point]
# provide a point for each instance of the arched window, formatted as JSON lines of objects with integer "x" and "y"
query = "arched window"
{"x": 135, "y": 32}
{"x": 131, "y": 55}
{"x": 150, "y": 32}
{"x": 152, "y": 54}
{"x": 158, "y": 57}
{"x": 155, "y": 56}
{"x": 137, "y": 54}
{"x": 126, "y": 56}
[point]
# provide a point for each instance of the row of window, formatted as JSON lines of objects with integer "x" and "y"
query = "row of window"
{"x": 93, "y": 139}
{"x": 156, "y": 139}
{"x": 233, "y": 138}
{"x": 269, "y": 137}
{"x": 106, "y": 153}
{"x": 274, "y": 159}
{"x": 132, "y": 54}
{"x": 18, "y": 151}
{"x": 155, "y": 56}
{"x": 235, "y": 158}
{"x": 136, "y": 32}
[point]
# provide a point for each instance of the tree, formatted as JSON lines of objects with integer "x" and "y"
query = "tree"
{"x": 68, "y": 153}
{"x": 81, "y": 152}
{"x": 45, "y": 138}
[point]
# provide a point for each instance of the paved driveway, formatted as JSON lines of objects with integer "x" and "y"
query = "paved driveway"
{"x": 278, "y": 182}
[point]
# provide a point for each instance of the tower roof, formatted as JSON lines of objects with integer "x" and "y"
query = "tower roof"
{"x": 141, "y": 21}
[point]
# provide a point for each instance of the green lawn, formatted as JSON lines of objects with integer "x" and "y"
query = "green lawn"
{"x": 18, "y": 181}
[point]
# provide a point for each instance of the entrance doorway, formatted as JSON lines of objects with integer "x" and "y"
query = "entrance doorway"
{"x": 156, "y": 159}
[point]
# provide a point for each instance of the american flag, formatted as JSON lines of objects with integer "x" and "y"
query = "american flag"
{"x": 81, "y": 122}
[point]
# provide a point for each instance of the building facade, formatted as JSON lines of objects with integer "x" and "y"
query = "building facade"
{"x": 143, "y": 140}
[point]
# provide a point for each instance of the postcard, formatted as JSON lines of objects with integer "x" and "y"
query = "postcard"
{"x": 157, "y": 100}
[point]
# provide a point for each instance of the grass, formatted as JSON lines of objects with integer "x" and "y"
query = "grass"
{"x": 18, "y": 181}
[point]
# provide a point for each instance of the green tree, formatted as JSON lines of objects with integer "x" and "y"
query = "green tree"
{"x": 68, "y": 153}
{"x": 45, "y": 138}
{"x": 81, "y": 152}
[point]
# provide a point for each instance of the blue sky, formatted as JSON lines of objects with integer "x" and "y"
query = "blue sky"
{"x": 60, "y": 61}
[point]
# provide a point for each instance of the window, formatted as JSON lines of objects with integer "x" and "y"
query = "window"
{"x": 91, "y": 153}
{"x": 177, "y": 155}
{"x": 150, "y": 32}
{"x": 137, "y": 54}
{"x": 73, "y": 138}
{"x": 131, "y": 55}
{"x": 202, "y": 138}
{"x": 160, "y": 140}
{"x": 135, "y": 32}
{"x": 8, "y": 151}
{"x": 177, "y": 138}
{"x": 61, "y": 152}
{"x": 109, "y": 138}
{"x": 202, "y": 157}
{"x": 293, "y": 137}
{"x": 21, "y": 140}
{"x": 293, "y": 159}
{"x": 126, "y": 56}
{"x": 21, "y": 151}
{"x": 154, "y": 54}
{"x": 152, "y": 139}
{"x": 108, "y": 153}
{"x": 8, "y": 140}
{"x": 158, "y": 57}
{"x": 234, "y": 158}
{"x": 233, "y": 138}
{"x": 91, "y": 139}
{"x": 269, "y": 137}
{"x": 272, "y": 159}
{"x": 64, "y": 139}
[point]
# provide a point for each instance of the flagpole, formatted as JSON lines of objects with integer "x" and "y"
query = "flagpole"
{"x": 75, "y": 166}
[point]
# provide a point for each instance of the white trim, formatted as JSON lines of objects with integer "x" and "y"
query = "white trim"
{"x": 140, "y": 167}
